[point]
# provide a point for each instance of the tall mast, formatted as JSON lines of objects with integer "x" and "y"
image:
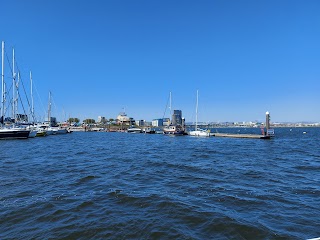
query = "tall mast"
{"x": 4, "y": 99}
{"x": 17, "y": 92}
{"x": 170, "y": 108}
{"x": 2, "y": 81}
{"x": 13, "y": 88}
{"x": 197, "y": 111}
{"x": 49, "y": 109}
{"x": 31, "y": 90}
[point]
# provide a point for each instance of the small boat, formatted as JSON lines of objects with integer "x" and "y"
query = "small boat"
{"x": 59, "y": 130}
{"x": 47, "y": 129}
{"x": 149, "y": 130}
{"x": 41, "y": 132}
{"x": 174, "y": 130}
{"x": 133, "y": 129}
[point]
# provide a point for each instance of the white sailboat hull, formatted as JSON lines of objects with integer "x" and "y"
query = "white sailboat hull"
{"x": 199, "y": 133}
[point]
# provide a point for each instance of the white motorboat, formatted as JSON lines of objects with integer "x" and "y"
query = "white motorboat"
{"x": 133, "y": 129}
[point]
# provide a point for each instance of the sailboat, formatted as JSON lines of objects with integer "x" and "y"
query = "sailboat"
{"x": 53, "y": 130}
{"x": 46, "y": 126}
{"x": 32, "y": 128}
{"x": 174, "y": 128}
{"x": 197, "y": 131}
{"x": 11, "y": 132}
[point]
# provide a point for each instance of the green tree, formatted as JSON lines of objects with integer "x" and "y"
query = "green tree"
{"x": 89, "y": 121}
{"x": 71, "y": 120}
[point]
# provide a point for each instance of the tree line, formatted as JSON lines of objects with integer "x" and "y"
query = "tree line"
{"x": 88, "y": 120}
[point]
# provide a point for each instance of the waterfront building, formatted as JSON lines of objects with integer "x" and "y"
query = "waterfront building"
{"x": 148, "y": 123}
{"x": 123, "y": 119}
{"x": 140, "y": 122}
{"x": 157, "y": 122}
{"x": 101, "y": 119}
{"x": 177, "y": 117}
{"x": 166, "y": 121}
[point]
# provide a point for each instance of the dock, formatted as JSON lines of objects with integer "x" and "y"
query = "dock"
{"x": 231, "y": 135}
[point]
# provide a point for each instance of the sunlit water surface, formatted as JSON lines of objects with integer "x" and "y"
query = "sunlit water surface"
{"x": 149, "y": 186}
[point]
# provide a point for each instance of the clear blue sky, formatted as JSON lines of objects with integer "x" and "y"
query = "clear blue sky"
{"x": 98, "y": 57}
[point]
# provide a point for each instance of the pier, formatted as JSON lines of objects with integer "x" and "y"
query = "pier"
{"x": 231, "y": 135}
{"x": 265, "y": 135}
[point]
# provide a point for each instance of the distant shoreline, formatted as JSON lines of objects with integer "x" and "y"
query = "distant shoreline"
{"x": 101, "y": 128}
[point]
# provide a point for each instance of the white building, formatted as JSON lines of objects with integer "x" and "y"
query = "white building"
{"x": 157, "y": 122}
{"x": 122, "y": 118}
{"x": 166, "y": 121}
{"x": 101, "y": 119}
{"x": 140, "y": 122}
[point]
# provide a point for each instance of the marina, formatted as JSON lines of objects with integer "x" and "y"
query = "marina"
{"x": 20, "y": 126}
{"x": 190, "y": 120}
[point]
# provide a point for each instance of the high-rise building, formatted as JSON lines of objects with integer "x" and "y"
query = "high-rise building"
{"x": 177, "y": 117}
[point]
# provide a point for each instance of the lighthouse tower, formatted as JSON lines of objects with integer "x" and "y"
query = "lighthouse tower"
{"x": 267, "y": 120}
{"x": 270, "y": 132}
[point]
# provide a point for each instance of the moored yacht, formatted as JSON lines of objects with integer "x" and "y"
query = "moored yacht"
{"x": 59, "y": 130}
{"x": 149, "y": 130}
{"x": 174, "y": 130}
{"x": 200, "y": 133}
{"x": 41, "y": 132}
{"x": 134, "y": 129}
{"x": 13, "y": 133}
{"x": 176, "y": 126}
{"x": 197, "y": 131}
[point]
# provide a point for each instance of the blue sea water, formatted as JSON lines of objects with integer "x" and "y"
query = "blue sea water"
{"x": 101, "y": 185}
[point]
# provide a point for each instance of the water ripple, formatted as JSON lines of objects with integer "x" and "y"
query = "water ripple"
{"x": 125, "y": 186}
